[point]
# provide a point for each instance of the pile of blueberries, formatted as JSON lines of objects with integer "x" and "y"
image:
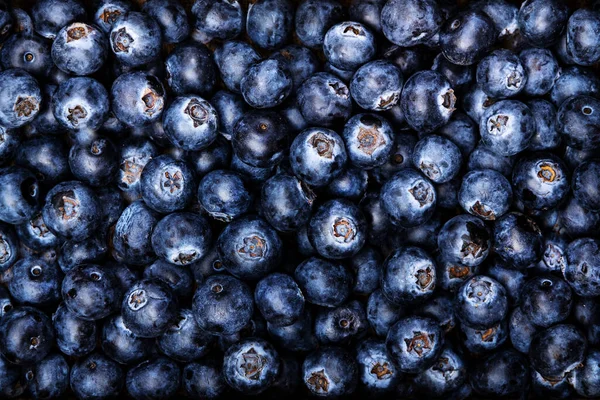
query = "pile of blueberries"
{"x": 332, "y": 198}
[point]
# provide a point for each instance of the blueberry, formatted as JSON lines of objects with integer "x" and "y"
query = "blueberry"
{"x": 323, "y": 283}
{"x": 546, "y": 136}
{"x": 190, "y": 123}
{"x": 233, "y": 58}
{"x": 577, "y": 120}
{"x": 582, "y": 269}
{"x": 46, "y": 157}
{"x": 585, "y": 378}
{"x": 269, "y": 23}
{"x": 135, "y": 38}
{"x": 485, "y": 193}
{"x": 204, "y": 379}
{"x": 181, "y": 238}
{"x": 5, "y": 302}
{"x": 26, "y": 336}
{"x": 584, "y": 184}
{"x": 94, "y": 163}
{"x": 49, "y": 378}
{"x": 377, "y": 372}
{"x": 79, "y": 49}
{"x": 427, "y": 101}
{"x": 223, "y": 195}
{"x": 260, "y": 138}
{"x": 456, "y": 37}
{"x": 368, "y": 139}
{"x": 314, "y": 18}
{"x": 267, "y": 83}
{"x": 574, "y": 81}
{"x": 437, "y": 157}
{"x": 341, "y": 324}
{"x": 556, "y": 351}
{"x": 19, "y": 195}
{"x": 137, "y": 98}
{"x": 324, "y": 100}
{"x": 399, "y": 158}
{"x": 222, "y": 19}
{"x": 542, "y": 71}
{"x": 134, "y": 155}
{"x": 445, "y": 376}
{"x": 348, "y": 45}
{"x": 464, "y": 240}
{"x": 178, "y": 278}
{"x": 96, "y": 376}
{"x": 377, "y": 85}
{"x": 35, "y": 282}
{"x": 521, "y": 330}
{"x": 408, "y": 276}
{"x": 21, "y": 98}
{"x": 215, "y": 157}
{"x": 250, "y": 174}
{"x": 167, "y": 184}
{"x": 9, "y": 144}
{"x": 30, "y": 53}
{"x": 581, "y": 37}
{"x": 459, "y": 76}
{"x": 351, "y": 184}
{"x": 475, "y": 102}
{"x": 484, "y": 158}
{"x": 171, "y": 17}
{"x": 480, "y": 341}
{"x": 107, "y": 12}
{"x": 121, "y": 345}
{"x": 9, "y": 246}
{"x": 502, "y": 13}
{"x": 190, "y": 69}
{"x": 367, "y": 12}
{"x": 49, "y": 16}
{"x": 251, "y": 365}
{"x": 132, "y": 235}
{"x": 577, "y": 221}
{"x": 184, "y": 341}
{"x": 481, "y": 302}
{"x": 505, "y": 373}
{"x": 408, "y": 198}
{"x": 501, "y": 74}
{"x": 546, "y": 300}
{"x": 279, "y": 299}
{"x": 367, "y": 267}
{"x": 301, "y": 62}
{"x": 507, "y": 127}
{"x": 512, "y": 279}
{"x": 541, "y": 22}
{"x": 74, "y": 336}
{"x": 381, "y": 313}
{"x": 415, "y": 343}
{"x": 407, "y": 23}
{"x": 517, "y": 240}
{"x": 11, "y": 384}
{"x": 286, "y": 202}
{"x": 72, "y": 210}
{"x": 330, "y": 372}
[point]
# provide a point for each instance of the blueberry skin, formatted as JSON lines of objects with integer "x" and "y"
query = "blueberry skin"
{"x": 46, "y": 157}
{"x": 574, "y": 81}
{"x": 286, "y": 202}
{"x": 577, "y": 221}
{"x": 408, "y": 198}
{"x": 269, "y": 23}
{"x": 79, "y": 49}
{"x": 501, "y": 74}
{"x": 215, "y": 157}
{"x": 267, "y": 83}
{"x": 233, "y": 58}
{"x": 121, "y": 345}
{"x": 279, "y": 299}
{"x": 301, "y": 62}
{"x": 585, "y": 379}
{"x": 437, "y": 157}
{"x": 74, "y": 336}
{"x": 540, "y": 181}
{"x": 502, "y": 13}
{"x": 94, "y": 163}
{"x": 317, "y": 156}
{"x": 377, "y": 372}
{"x": 415, "y": 343}
{"x": 223, "y": 195}
{"x": 457, "y": 33}
{"x": 49, "y": 16}
{"x": 481, "y": 302}
{"x": 484, "y": 158}
{"x": 330, "y": 372}
{"x": 546, "y": 136}
{"x": 72, "y": 210}
{"x": 517, "y": 240}
{"x": 19, "y": 195}
{"x": 377, "y": 85}
{"x": 171, "y": 18}
{"x": 228, "y": 294}
{"x": 459, "y": 76}
{"x": 337, "y": 229}
{"x": 9, "y": 247}
{"x": 585, "y": 184}
{"x": 250, "y": 174}
{"x": 485, "y": 193}
{"x": 407, "y": 23}
{"x": 249, "y": 248}
{"x": 505, "y": 373}
{"x": 190, "y": 123}
{"x": 87, "y": 251}
{"x": 512, "y": 279}
{"x": 314, "y": 18}
{"x": 107, "y": 12}
{"x": 400, "y": 157}
{"x": 541, "y": 22}
{"x": 91, "y": 292}
{"x": 444, "y": 377}
{"x": 221, "y": 19}
{"x": 96, "y": 377}
{"x": 367, "y": 267}
{"x": 190, "y": 69}
{"x": 49, "y": 378}
{"x": 556, "y": 351}
{"x": 5, "y": 302}
{"x": 20, "y": 98}
{"x": 181, "y": 238}
{"x": 348, "y": 45}
{"x": 369, "y": 140}
{"x": 134, "y": 155}
{"x": 298, "y": 336}
{"x": 167, "y": 184}
{"x": 475, "y": 102}
{"x": 135, "y": 39}
{"x": 427, "y": 101}
{"x": 546, "y": 300}
{"x": 381, "y": 313}
{"x": 542, "y": 70}
{"x": 323, "y": 283}
{"x": 204, "y": 379}
{"x": 178, "y": 278}
{"x": 26, "y": 336}
{"x": 351, "y": 184}
{"x": 507, "y": 127}
{"x": 132, "y": 235}
{"x": 582, "y": 270}
{"x": 465, "y": 240}
{"x": 578, "y": 119}
{"x": 251, "y": 365}
{"x": 148, "y": 308}
{"x": 10, "y": 141}
{"x": 260, "y": 138}
{"x": 581, "y": 37}
{"x": 184, "y": 341}
{"x": 30, "y": 53}
{"x": 35, "y": 282}
{"x": 324, "y": 100}
{"x": 408, "y": 276}
{"x": 341, "y": 324}
{"x": 478, "y": 341}
{"x": 521, "y": 330}
{"x": 137, "y": 98}
{"x": 230, "y": 108}
{"x": 81, "y": 103}
{"x": 367, "y": 12}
